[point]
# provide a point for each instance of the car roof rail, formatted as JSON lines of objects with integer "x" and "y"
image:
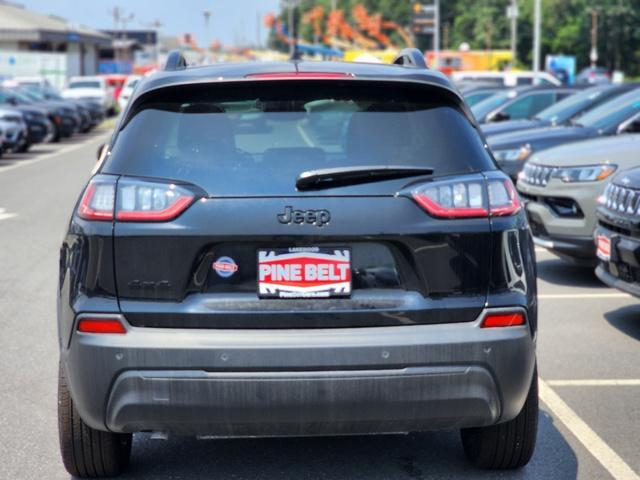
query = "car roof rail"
{"x": 175, "y": 61}
{"x": 410, "y": 57}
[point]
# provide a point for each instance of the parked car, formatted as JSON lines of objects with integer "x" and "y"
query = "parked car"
{"x": 232, "y": 287}
{"x": 92, "y": 88}
{"x": 39, "y": 127}
{"x": 593, "y": 76}
{"x": 618, "y": 233}
{"x": 506, "y": 79}
{"x": 66, "y": 117}
{"x": 116, "y": 82}
{"x": 561, "y": 187}
{"x": 127, "y": 90}
{"x": 14, "y": 129}
{"x": 563, "y": 112}
{"x": 616, "y": 116}
{"x": 518, "y": 103}
{"x": 93, "y": 108}
{"x": 476, "y": 92}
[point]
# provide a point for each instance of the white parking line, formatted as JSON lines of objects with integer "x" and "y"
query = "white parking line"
{"x": 614, "y": 382}
{"x": 63, "y": 150}
{"x": 602, "y": 452}
{"x": 584, "y": 296}
{"x": 4, "y": 215}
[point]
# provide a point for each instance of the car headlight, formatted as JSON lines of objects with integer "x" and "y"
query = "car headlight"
{"x": 587, "y": 173}
{"x": 513, "y": 154}
{"x": 30, "y": 116}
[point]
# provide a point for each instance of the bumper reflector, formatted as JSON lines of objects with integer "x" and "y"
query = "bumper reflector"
{"x": 101, "y": 325}
{"x": 505, "y": 319}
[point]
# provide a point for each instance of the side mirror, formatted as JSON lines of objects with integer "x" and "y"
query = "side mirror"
{"x": 499, "y": 117}
{"x": 102, "y": 151}
{"x": 630, "y": 126}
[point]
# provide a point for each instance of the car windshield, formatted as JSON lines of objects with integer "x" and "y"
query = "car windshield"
{"x": 32, "y": 94}
{"x": 476, "y": 97}
{"x": 132, "y": 83}
{"x": 483, "y": 108}
{"x": 613, "y": 112}
{"x": 7, "y": 95}
{"x": 85, "y": 84}
{"x": 567, "y": 108}
{"x": 272, "y": 134}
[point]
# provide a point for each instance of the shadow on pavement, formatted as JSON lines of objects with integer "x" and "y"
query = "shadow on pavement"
{"x": 416, "y": 456}
{"x": 626, "y": 319}
{"x": 559, "y": 272}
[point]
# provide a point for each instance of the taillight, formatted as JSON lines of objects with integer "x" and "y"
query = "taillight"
{"x": 98, "y": 200}
{"x": 103, "y": 325}
{"x": 467, "y": 198}
{"x": 142, "y": 201}
{"x": 503, "y": 198}
{"x": 137, "y": 200}
{"x": 503, "y": 319}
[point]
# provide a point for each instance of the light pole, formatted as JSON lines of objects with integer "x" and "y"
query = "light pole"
{"x": 512, "y": 14}
{"x": 593, "y": 56}
{"x": 207, "y": 15}
{"x": 536, "y": 39}
{"x": 291, "y": 4}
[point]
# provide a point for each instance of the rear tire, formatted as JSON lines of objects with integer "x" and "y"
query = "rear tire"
{"x": 24, "y": 148}
{"x": 86, "y": 452}
{"x": 507, "y": 445}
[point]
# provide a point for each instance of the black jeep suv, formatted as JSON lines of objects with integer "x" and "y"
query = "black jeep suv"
{"x": 618, "y": 234}
{"x": 292, "y": 249}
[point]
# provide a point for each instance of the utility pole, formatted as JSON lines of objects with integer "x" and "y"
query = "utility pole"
{"x": 119, "y": 18}
{"x": 536, "y": 40}
{"x": 593, "y": 56}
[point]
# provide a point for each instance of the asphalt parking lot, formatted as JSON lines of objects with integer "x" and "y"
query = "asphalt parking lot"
{"x": 588, "y": 356}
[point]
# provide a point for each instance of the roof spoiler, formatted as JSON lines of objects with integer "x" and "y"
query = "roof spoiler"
{"x": 410, "y": 57}
{"x": 175, "y": 61}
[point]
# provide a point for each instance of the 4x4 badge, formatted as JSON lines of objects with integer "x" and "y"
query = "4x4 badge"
{"x": 312, "y": 217}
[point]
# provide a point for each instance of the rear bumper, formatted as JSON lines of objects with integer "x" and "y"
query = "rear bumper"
{"x": 300, "y": 382}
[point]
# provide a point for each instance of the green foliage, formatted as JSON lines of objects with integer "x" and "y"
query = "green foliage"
{"x": 566, "y": 27}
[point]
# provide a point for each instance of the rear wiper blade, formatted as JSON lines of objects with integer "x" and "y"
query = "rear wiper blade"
{"x": 343, "y": 176}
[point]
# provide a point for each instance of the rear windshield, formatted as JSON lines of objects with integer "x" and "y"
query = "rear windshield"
{"x": 256, "y": 139}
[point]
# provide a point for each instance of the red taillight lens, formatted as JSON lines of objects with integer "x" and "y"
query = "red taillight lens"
{"x": 467, "y": 198}
{"x": 141, "y": 201}
{"x": 503, "y": 319}
{"x": 97, "y": 201}
{"x": 137, "y": 200}
{"x": 299, "y": 75}
{"x": 101, "y": 325}
{"x": 453, "y": 199}
{"x": 503, "y": 198}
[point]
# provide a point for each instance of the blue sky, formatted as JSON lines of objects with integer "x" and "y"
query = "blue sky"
{"x": 231, "y": 20}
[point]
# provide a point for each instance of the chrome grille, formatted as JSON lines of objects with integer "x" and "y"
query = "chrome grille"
{"x": 537, "y": 174}
{"x": 622, "y": 199}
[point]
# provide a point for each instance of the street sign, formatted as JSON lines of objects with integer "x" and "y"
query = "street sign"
{"x": 423, "y": 19}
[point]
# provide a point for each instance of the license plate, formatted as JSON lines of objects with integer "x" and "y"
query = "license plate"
{"x": 604, "y": 248}
{"x": 310, "y": 272}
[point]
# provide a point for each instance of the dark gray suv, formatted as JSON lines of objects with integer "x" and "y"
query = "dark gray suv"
{"x": 293, "y": 249}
